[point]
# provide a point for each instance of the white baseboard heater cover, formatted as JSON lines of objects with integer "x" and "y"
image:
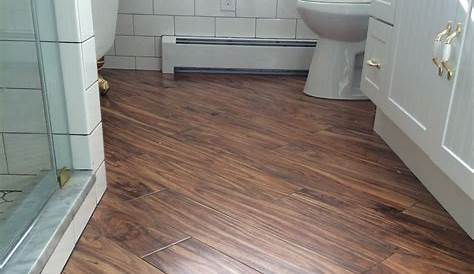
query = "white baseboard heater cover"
{"x": 236, "y": 55}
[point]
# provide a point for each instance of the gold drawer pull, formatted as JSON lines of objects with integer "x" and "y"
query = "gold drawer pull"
{"x": 374, "y": 64}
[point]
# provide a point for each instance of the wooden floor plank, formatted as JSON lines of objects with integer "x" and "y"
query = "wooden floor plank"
{"x": 435, "y": 214}
{"x": 96, "y": 254}
{"x": 129, "y": 185}
{"x": 193, "y": 256}
{"x": 132, "y": 229}
{"x": 428, "y": 263}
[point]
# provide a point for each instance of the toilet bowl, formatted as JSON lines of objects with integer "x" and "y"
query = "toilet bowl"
{"x": 336, "y": 68}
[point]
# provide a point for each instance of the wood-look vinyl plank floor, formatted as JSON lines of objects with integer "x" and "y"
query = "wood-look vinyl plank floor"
{"x": 246, "y": 174}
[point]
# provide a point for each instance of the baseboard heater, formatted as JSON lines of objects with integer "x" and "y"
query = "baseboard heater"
{"x": 236, "y": 55}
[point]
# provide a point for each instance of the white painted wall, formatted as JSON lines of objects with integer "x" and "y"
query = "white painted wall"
{"x": 141, "y": 23}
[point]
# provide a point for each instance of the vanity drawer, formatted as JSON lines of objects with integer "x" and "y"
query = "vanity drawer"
{"x": 383, "y": 10}
{"x": 377, "y": 61}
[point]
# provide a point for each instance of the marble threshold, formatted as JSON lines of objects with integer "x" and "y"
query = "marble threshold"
{"x": 34, "y": 252}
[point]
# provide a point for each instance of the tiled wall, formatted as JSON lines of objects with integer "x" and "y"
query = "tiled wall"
{"x": 70, "y": 74}
{"x": 24, "y": 147}
{"x": 141, "y": 23}
{"x": 70, "y": 70}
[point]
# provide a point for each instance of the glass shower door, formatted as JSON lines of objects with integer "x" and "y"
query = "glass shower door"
{"x": 27, "y": 169}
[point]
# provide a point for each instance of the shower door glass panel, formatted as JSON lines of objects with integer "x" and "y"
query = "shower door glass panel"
{"x": 27, "y": 170}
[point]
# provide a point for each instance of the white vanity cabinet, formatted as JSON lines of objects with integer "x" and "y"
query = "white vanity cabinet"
{"x": 401, "y": 78}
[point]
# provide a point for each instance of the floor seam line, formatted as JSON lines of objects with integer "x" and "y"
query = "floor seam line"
{"x": 410, "y": 207}
{"x": 381, "y": 262}
{"x": 165, "y": 247}
{"x": 225, "y": 254}
{"x": 145, "y": 195}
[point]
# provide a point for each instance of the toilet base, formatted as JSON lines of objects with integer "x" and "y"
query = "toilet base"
{"x": 336, "y": 70}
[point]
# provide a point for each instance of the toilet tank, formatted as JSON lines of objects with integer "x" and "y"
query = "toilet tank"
{"x": 104, "y": 13}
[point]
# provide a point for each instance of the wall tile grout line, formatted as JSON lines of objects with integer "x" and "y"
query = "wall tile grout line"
{"x": 5, "y": 153}
{"x": 276, "y": 8}
{"x": 256, "y": 21}
{"x": 296, "y": 28}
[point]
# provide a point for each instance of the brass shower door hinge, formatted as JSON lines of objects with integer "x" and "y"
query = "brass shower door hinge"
{"x": 63, "y": 176}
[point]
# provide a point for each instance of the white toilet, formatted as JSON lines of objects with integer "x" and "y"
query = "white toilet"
{"x": 336, "y": 68}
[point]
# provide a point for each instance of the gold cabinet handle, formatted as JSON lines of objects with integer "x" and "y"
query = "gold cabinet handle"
{"x": 454, "y": 35}
{"x": 448, "y": 48}
{"x": 439, "y": 66}
{"x": 374, "y": 64}
{"x": 449, "y": 69}
{"x": 437, "y": 45}
{"x": 445, "y": 32}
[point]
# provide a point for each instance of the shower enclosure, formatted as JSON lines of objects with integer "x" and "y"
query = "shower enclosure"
{"x": 28, "y": 175}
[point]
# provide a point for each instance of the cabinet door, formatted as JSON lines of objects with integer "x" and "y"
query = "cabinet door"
{"x": 457, "y": 151}
{"x": 416, "y": 90}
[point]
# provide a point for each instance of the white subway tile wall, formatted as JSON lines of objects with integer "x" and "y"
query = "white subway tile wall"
{"x": 257, "y": 8}
{"x": 175, "y": 7}
{"x": 287, "y": 9}
{"x": 26, "y": 153}
{"x": 276, "y": 28}
{"x": 235, "y": 27}
{"x": 136, "y": 6}
{"x": 195, "y": 26}
{"x": 148, "y": 63}
{"x": 210, "y": 8}
{"x": 153, "y": 25}
{"x": 135, "y": 45}
{"x": 142, "y": 23}
{"x": 124, "y": 24}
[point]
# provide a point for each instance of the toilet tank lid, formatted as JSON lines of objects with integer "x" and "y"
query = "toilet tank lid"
{"x": 340, "y": 1}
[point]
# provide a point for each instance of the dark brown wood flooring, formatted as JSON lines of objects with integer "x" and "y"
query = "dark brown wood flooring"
{"x": 245, "y": 174}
